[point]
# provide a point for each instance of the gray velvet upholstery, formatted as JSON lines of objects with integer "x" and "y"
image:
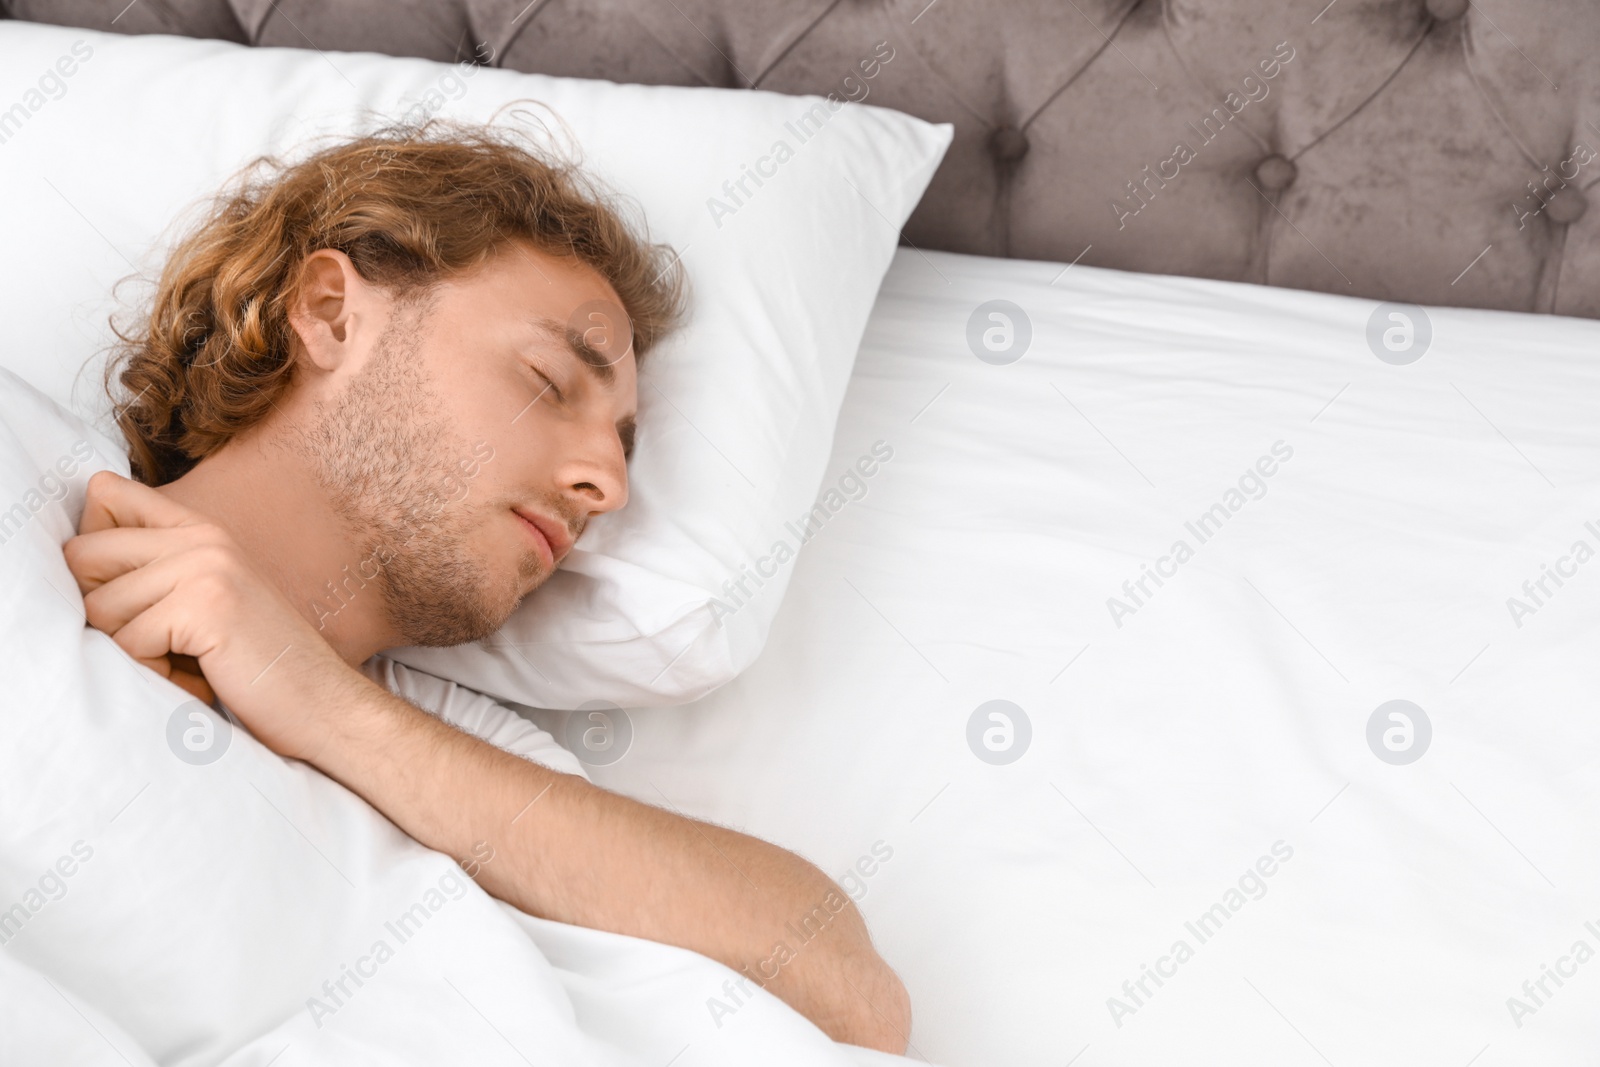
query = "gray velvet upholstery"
{"x": 1436, "y": 152}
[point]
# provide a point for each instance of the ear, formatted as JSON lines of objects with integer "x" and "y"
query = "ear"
{"x": 322, "y": 311}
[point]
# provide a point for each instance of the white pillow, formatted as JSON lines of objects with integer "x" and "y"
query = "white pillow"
{"x": 655, "y": 604}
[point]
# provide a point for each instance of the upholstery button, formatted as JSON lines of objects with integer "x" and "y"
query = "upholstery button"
{"x": 1567, "y": 206}
{"x": 1008, "y": 144}
{"x": 1447, "y": 10}
{"x": 1276, "y": 173}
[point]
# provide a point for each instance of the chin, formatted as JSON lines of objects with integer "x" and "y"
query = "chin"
{"x": 530, "y": 576}
{"x": 452, "y": 616}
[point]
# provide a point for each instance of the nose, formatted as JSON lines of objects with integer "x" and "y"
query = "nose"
{"x": 597, "y": 475}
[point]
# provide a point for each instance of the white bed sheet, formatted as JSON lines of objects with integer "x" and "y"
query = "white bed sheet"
{"x": 1227, "y": 714}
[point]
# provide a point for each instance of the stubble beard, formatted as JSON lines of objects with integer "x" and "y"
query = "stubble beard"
{"x": 388, "y": 467}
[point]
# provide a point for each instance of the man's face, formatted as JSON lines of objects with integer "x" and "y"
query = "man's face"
{"x": 501, "y": 402}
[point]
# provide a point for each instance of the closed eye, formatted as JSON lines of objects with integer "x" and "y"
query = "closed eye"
{"x": 550, "y": 385}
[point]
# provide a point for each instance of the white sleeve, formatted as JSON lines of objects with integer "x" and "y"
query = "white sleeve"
{"x": 473, "y": 712}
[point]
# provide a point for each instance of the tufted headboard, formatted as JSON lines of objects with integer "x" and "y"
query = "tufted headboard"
{"x": 1429, "y": 151}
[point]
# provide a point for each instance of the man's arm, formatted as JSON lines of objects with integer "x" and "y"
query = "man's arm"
{"x": 176, "y": 593}
{"x": 568, "y": 850}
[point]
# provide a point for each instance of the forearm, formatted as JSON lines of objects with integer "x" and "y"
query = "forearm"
{"x": 567, "y": 850}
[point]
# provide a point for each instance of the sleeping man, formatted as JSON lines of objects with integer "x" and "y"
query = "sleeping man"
{"x": 403, "y": 371}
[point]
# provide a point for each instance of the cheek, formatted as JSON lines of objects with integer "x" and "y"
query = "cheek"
{"x": 526, "y": 455}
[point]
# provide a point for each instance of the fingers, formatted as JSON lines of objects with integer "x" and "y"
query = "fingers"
{"x": 99, "y": 557}
{"x": 149, "y": 637}
{"x": 114, "y": 603}
{"x": 160, "y": 664}
{"x": 134, "y": 608}
{"x": 112, "y": 500}
{"x": 183, "y": 671}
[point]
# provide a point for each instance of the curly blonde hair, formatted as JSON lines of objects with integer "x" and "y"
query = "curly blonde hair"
{"x": 412, "y": 205}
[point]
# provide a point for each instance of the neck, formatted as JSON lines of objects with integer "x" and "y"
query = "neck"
{"x": 265, "y": 494}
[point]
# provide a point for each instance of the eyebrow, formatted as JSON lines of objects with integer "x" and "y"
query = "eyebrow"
{"x": 592, "y": 358}
{"x": 597, "y": 365}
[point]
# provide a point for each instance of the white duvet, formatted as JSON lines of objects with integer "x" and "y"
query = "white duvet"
{"x": 1199, "y": 857}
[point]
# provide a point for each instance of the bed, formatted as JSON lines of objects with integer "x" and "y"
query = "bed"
{"x": 1183, "y": 735}
{"x": 1203, "y": 672}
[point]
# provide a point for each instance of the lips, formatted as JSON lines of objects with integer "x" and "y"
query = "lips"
{"x": 556, "y": 542}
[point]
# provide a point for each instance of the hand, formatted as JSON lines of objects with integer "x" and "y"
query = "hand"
{"x": 175, "y": 592}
